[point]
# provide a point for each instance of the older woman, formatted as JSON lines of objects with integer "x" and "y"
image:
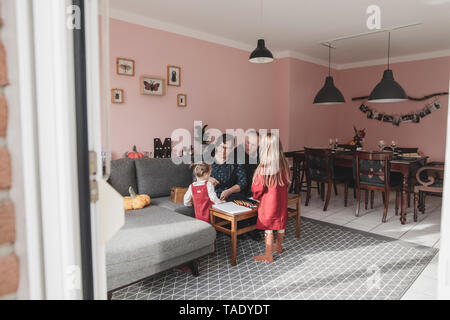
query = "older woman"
{"x": 229, "y": 179}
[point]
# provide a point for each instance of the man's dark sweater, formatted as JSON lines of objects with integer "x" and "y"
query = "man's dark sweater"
{"x": 250, "y": 165}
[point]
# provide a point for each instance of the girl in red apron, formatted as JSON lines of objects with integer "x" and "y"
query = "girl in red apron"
{"x": 270, "y": 187}
{"x": 201, "y": 193}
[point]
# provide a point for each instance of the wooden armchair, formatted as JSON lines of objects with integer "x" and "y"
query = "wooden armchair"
{"x": 431, "y": 180}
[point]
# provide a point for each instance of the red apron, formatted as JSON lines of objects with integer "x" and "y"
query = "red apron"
{"x": 201, "y": 201}
{"x": 272, "y": 210}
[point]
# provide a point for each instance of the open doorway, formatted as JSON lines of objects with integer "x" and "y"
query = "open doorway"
{"x": 144, "y": 100}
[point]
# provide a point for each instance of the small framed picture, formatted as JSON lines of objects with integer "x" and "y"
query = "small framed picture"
{"x": 174, "y": 76}
{"x": 152, "y": 86}
{"x": 182, "y": 100}
{"x": 125, "y": 67}
{"x": 117, "y": 96}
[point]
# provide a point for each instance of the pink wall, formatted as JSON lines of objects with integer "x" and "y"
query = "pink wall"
{"x": 418, "y": 78}
{"x": 223, "y": 89}
{"x": 226, "y": 91}
{"x": 310, "y": 125}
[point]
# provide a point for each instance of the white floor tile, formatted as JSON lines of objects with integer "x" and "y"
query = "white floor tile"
{"x": 426, "y": 285}
{"x": 436, "y": 245}
{"x": 414, "y": 295}
{"x": 426, "y": 231}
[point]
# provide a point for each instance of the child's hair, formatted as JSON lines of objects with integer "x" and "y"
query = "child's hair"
{"x": 273, "y": 166}
{"x": 200, "y": 169}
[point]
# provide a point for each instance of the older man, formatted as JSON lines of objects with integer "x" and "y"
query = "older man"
{"x": 228, "y": 177}
{"x": 248, "y": 156}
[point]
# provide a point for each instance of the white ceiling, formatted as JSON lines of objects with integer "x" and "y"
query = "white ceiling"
{"x": 295, "y": 28}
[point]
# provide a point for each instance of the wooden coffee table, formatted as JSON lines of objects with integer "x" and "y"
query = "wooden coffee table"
{"x": 228, "y": 223}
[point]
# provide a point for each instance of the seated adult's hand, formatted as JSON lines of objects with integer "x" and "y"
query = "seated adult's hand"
{"x": 214, "y": 181}
{"x": 225, "y": 194}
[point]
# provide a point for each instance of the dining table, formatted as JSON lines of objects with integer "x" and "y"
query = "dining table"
{"x": 404, "y": 165}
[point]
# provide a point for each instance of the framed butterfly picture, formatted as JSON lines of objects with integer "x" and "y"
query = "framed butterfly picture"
{"x": 125, "y": 67}
{"x": 152, "y": 86}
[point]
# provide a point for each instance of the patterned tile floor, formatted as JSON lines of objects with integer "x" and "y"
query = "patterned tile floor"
{"x": 327, "y": 262}
{"x": 426, "y": 231}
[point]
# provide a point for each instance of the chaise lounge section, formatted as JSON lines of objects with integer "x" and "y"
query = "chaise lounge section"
{"x": 161, "y": 236}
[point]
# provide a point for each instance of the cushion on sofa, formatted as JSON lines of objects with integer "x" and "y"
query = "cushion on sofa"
{"x": 123, "y": 175}
{"x": 156, "y": 177}
{"x": 157, "y": 234}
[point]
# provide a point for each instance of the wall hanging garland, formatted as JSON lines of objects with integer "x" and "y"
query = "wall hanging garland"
{"x": 397, "y": 119}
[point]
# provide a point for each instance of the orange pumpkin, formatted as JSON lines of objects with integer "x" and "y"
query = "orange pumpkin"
{"x": 136, "y": 201}
{"x": 134, "y": 154}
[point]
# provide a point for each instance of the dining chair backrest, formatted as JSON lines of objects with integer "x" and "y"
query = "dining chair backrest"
{"x": 431, "y": 175}
{"x": 319, "y": 164}
{"x": 372, "y": 168}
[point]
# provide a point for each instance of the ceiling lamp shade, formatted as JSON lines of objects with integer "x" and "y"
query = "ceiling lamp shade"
{"x": 329, "y": 94}
{"x": 261, "y": 54}
{"x": 388, "y": 90}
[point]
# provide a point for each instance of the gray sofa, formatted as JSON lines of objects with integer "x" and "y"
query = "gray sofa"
{"x": 161, "y": 236}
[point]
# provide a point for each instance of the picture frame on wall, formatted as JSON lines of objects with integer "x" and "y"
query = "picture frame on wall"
{"x": 174, "y": 76}
{"x": 152, "y": 86}
{"x": 125, "y": 67}
{"x": 117, "y": 96}
{"x": 182, "y": 100}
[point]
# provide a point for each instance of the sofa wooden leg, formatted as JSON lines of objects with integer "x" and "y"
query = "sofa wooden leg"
{"x": 110, "y": 294}
{"x": 194, "y": 265}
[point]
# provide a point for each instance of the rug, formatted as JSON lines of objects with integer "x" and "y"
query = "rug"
{"x": 326, "y": 262}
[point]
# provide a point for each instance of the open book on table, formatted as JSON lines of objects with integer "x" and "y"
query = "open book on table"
{"x": 231, "y": 208}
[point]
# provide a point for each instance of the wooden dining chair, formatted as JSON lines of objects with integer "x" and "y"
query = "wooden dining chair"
{"x": 298, "y": 169}
{"x": 430, "y": 180}
{"x": 412, "y": 180}
{"x": 320, "y": 168}
{"x": 373, "y": 174}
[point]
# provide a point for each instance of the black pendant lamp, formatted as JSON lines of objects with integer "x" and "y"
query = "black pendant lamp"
{"x": 329, "y": 94}
{"x": 261, "y": 54}
{"x": 388, "y": 90}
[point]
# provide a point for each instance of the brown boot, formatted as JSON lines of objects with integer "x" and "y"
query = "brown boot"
{"x": 279, "y": 242}
{"x": 267, "y": 257}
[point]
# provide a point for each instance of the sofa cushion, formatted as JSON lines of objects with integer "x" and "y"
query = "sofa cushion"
{"x": 157, "y": 234}
{"x": 123, "y": 175}
{"x": 187, "y": 211}
{"x": 180, "y": 208}
{"x": 156, "y": 177}
{"x": 165, "y": 202}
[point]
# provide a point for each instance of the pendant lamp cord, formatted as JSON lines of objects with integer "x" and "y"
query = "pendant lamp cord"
{"x": 329, "y": 59}
{"x": 261, "y": 19}
{"x": 389, "y": 48}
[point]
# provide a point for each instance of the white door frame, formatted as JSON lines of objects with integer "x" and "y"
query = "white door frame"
{"x": 444, "y": 244}
{"x": 94, "y": 103}
{"x": 55, "y": 104}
